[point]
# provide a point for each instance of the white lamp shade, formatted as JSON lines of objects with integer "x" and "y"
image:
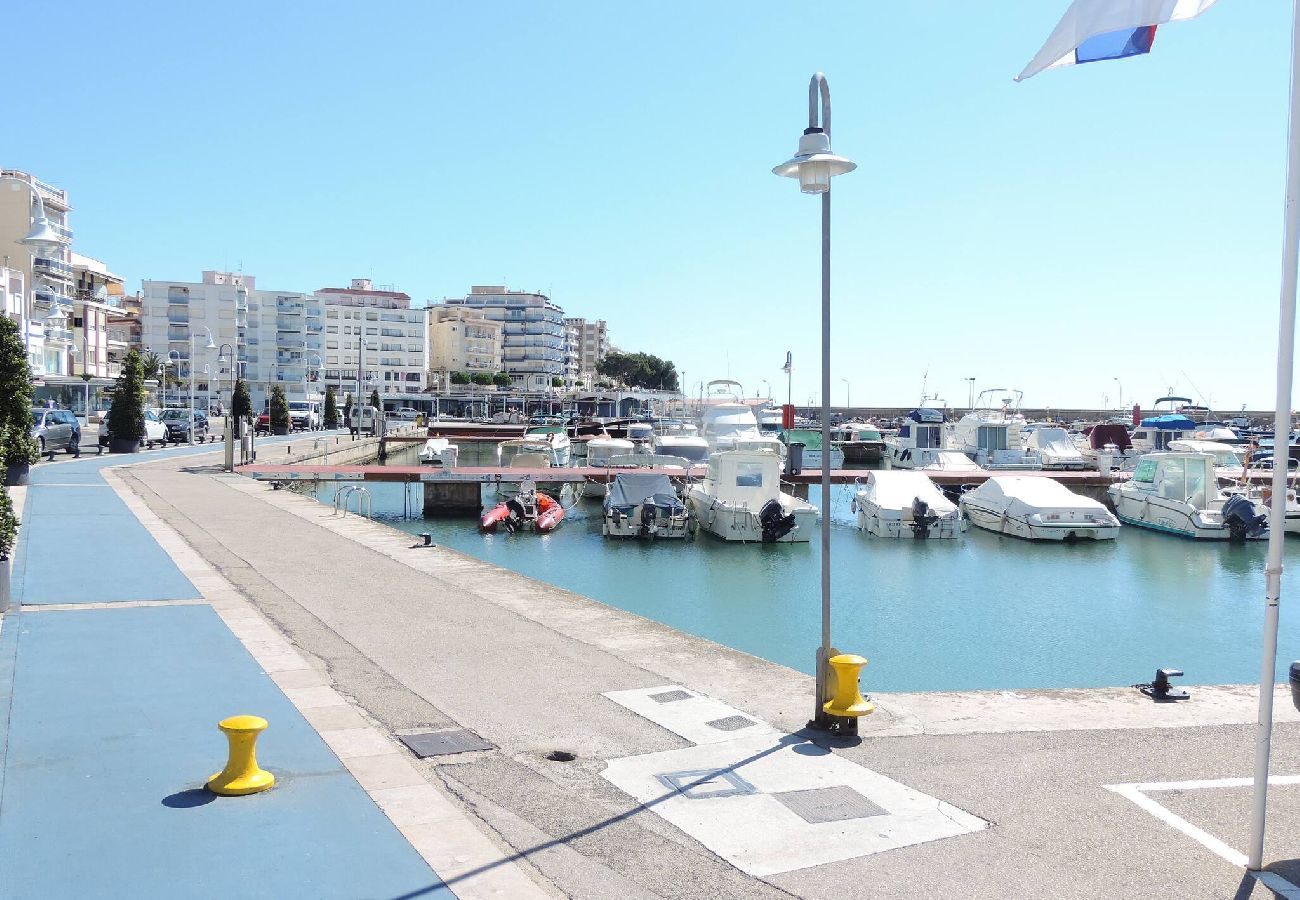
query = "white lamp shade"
{"x": 814, "y": 164}
{"x": 43, "y": 237}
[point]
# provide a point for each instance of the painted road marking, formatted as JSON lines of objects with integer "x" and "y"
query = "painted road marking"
{"x": 770, "y": 802}
{"x": 1137, "y": 792}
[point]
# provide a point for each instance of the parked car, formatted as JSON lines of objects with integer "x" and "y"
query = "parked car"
{"x": 155, "y": 432}
{"x": 304, "y": 415}
{"x": 178, "y": 424}
{"x": 56, "y": 429}
{"x": 407, "y": 414}
{"x": 263, "y": 424}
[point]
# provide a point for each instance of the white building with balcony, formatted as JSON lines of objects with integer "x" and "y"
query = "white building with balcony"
{"x": 14, "y": 304}
{"x": 462, "y": 340}
{"x": 533, "y": 340}
{"x": 588, "y": 345}
{"x": 393, "y": 339}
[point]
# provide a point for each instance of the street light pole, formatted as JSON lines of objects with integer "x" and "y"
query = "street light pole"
{"x": 1121, "y": 393}
{"x": 814, "y": 165}
{"x": 848, "y": 393}
{"x": 970, "y": 404}
{"x": 210, "y": 346}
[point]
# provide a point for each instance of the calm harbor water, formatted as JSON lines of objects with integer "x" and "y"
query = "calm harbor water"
{"x": 982, "y": 612}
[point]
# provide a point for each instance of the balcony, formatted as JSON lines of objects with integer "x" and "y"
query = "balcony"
{"x": 58, "y": 334}
{"x": 253, "y": 341}
{"x": 315, "y": 327}
{"x": 288, "y": 309}
{"x": 54, "y": 268}
{"x": 178, "y": 299}
{"x": 296, "y": 343}
{"x": 288, "y": 324}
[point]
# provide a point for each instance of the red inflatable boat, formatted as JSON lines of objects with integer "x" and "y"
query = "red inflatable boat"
{"x": 525, "y": 511}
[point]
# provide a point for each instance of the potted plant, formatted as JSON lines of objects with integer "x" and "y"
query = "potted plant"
{"x": 126, "y": 415}
{"x": 8, "y": 538}
{"x": 241, "y": 406}
{"x": 279, "y": 411}
{"x": 331, "y": 408}
{"x": 17, "y": 449}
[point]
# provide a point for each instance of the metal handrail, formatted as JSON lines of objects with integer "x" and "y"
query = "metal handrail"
{"x": 362, "y": 493}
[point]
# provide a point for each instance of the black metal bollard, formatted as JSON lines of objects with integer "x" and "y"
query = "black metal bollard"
{"x": 1295, "y": 684}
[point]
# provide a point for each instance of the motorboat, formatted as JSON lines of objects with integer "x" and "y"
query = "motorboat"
{"x": 952, "y": 461}
{"x": 602, "y": 450}
{"x": 681, "y": 439}
{"x": 918, "y": 440}
{"x": 994, "y": 437}
{"x": 1037, "y": 508}
{"x": 525, "y": 453}
{"x": 905, "y": 504}
{"x": 1155, "y": 432}
{"x": 861, "y": 442}
{"x": 740, "y": 499}
{"x": 642, "y": 435}
{"x": 1054, "y": 448}
{"x": 811, "y": 438}
{"x": 644, "y": 506}
{"x": 558, "y": 445}
{"x": 527, "y": 510}
{"x": 1177, "y": 492}
{"x": 438, "y": 451}
{"x": 770, "y": 420}
{"x": 1228, "y": 462}
{"x": 723, "y": 424}
{"x": 1108, "y": 444}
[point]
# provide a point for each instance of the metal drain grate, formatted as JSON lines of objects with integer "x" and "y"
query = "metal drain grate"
{"x": 671, "y": 696}
{"x": 700, "y": 784}
{"x": 730, "y": 723}
{"x": 444, "y": 743}
{"x": 832, "y": 804}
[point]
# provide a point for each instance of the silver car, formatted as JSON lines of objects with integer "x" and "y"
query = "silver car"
{"x": 56, "y": 429}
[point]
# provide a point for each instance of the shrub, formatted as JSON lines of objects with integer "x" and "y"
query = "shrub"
{"x": 331, "y": 409}
{"x": 279, "y": 408}
{"x": 126, "y": 415}
{"x": 16, "y": 444}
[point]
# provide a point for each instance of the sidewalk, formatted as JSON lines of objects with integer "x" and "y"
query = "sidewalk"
{"x": 1047, "y": 793}
{"x": 108, "y": 712}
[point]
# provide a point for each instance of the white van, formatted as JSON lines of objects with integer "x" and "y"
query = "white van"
{"x": 304, "y": 415}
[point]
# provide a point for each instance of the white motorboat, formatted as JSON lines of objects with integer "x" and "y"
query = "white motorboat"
{"x": 951, "y": 461}
{"x": 558, "y": 445}
{"x": 1054, "y": 448}
{"x": 993, "y": 437}
{"x": 740, "y": 499}
{"x": 811, "y": 438}
{"x": 1108, "y": 445}
{"x": 1177, "y": 492}
{"x": 860, "y": 441}
{"x": 1156, "y": 432}
{"x": 1228, "y": 463}
{"x": 905, "y": 504}
{"x": 644, "y": 506}
{"x": 525, "y": 453}
{"x": 918, "y": 440}
{"x": 642, "y": 435}
{"x": 1038, "y": 509}
{"x": 438, "y": 451}
{"x": 602, "y": 450}
{"x": 681, "y": 439}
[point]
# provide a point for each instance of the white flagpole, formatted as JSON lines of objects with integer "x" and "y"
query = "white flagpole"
{"x": 1281, "y": 456}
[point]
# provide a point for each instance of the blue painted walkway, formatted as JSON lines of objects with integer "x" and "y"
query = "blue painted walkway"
{"x": 108, "y": 731}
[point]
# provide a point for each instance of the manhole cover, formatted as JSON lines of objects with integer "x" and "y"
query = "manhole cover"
{"x": 670, "y": 696}
{"x": 730, "y": 723}
{"x": 832, "y": 804}
{"x": 444, "y": 743}
{"x": 700, "y": 784}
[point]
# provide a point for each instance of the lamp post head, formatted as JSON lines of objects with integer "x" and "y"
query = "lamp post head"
{"x": 43, "y": 237}
{"x": 813, "y": 163}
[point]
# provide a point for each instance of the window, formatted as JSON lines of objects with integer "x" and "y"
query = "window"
{"x": 749, "y": 475}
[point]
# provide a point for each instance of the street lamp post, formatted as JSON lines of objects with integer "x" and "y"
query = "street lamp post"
{"x": 1120, "y": 403}
{"x": 210, "y": 346}
{"x": 226, "y": 354}
{"x": 175, "y": 363}
{"x": 814, "y": 165}
{"x": 970, "y": 404}
{"x": 769, "y": 388}
{"x": 42, "y": 237}
{"x": 848, "y": 393}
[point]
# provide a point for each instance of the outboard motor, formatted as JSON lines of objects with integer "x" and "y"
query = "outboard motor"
{"x": 922, "y": 518}
{"x": 1239, "y": 515}
{"x": 647, "y": 520}
{"x": 775, "y": 524}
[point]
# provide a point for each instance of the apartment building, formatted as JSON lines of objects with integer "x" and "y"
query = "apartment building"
{"x": 96, "y": 296}
{"x": 381, "y": 325}
{"x": 13, "y": 304}
{"x": 533, "y": 336}
{"x": 462, "y": 340}
{"x": 589, "y": 344}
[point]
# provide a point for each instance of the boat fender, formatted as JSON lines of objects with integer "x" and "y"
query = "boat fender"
{"x": 775, "y": 523}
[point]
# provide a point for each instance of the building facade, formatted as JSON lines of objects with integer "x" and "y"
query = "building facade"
{"x": 462, "y": 340}
{"x": 533, "y": 336}
{"x": 589, "y": 343}
{"x": 381, "y": 325}
{"x": 14, "y": 304}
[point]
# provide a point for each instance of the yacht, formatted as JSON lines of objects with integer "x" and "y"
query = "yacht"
{"x": 993, "y": 437}
{"x": 438, "y": 451}
{"x": 681, "y": 439}
{"x": 918, "y": 441}
{"x": 1038, "y": 509}
{"x": 1108, "y": 444}
{"x": 644, "y": 506}
{"x": 905, "y": 504}
{"x": 1155, "y": 432}
{"x": 642, "y": 435}
{"x": 811, "y": 438}
{"x": 740, "y": 499}
{"x": 1177, "y": 492}
{"x": 601, "y": 451}
{"x": 770, "y": 420}
{"x": 860, "y": 441}
{"x": 1054, "y": 448}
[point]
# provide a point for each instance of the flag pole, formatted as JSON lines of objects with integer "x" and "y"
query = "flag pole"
{"x": 1281, "y": 459}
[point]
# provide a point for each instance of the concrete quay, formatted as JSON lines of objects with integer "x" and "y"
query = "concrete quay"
{"x": 1061, "y": 793}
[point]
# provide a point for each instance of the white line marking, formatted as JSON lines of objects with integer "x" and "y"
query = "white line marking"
{"x": 1202, "y": 837}
{"x": 1209, "y": 783}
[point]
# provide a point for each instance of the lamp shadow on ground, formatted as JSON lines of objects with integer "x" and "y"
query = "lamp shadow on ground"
{"x": 188, "y": 799}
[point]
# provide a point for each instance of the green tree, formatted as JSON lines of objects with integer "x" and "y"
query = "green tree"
{"x": 347, "y": 406}
{"x": 241, "y": 406}
{"x": 374, "y": 399}
{"x": 8, "y": 525}
{"x": 501, "y": 379}
{"x": 331, "y": 408}
{"x": 126, "y": 415}
{"x": 642, "y": 370}
{"x": 16, "y": 444}
{"x": 279, "y": 409}
{"x": 557, "y": 381}
{"x": 482, "y": 378}
{"x": 459, "y": 378}
{"x": 151, "y": 366}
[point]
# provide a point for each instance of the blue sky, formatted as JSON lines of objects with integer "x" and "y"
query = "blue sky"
{"x": 1117, "y": 220}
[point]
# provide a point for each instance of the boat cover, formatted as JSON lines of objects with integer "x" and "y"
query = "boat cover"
{"x": 1023, "y": 495}
{"x": 928, "y": 416}
{"x": 634, "y": 490}
{"x": 1109, "y": 433}
{"x": 896, "y": 490}
{"x": 1054, "y": 443}
{"x": 1169, "y": 423}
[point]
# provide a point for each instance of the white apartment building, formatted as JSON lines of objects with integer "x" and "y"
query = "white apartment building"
{"x": 589, "y": 344}
{"x": 533, "y": 341}
{"x": 14, "y": 304}
{"x": 392, "y": 336}
{"x": 462, "y": 340}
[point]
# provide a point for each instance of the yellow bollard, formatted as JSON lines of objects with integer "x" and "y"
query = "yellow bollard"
{"x": 848, "y": 700}
{"x": 241, "y": 774}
